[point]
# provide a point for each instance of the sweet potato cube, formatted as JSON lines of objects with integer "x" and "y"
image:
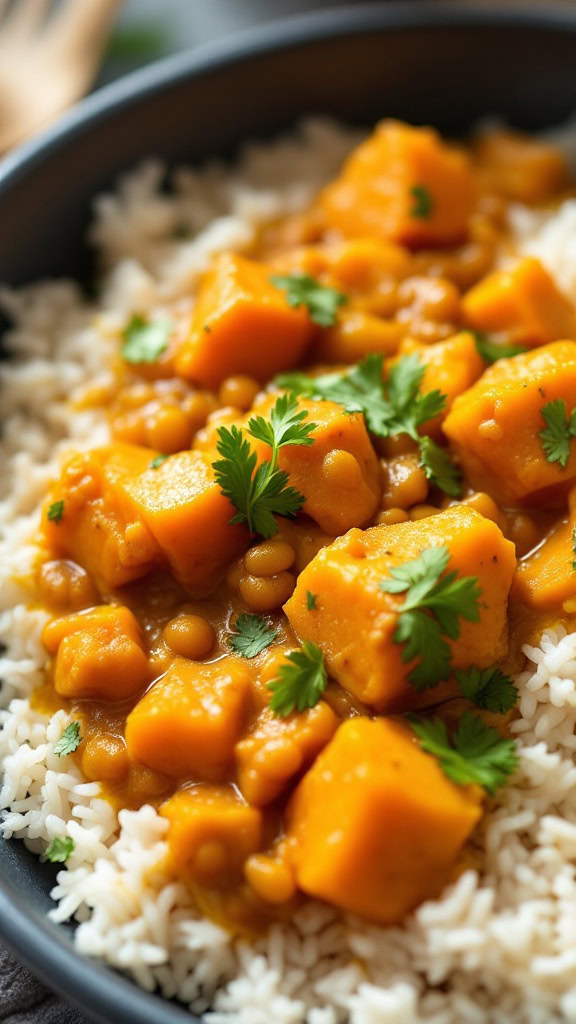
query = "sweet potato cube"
{"x": 277, "y": 749}
{"x": 519, "y": 167}
{"x": 242, "y": 323}
{"x": 212, "y": 831}
{"x": 339, "y": 474}
{"x": 375, "y": 826}
{"x": 189, "y": 518}
{"x": 186, "y": 725}
{"x": 354, "y": 620}
{"x": 452, "y": 366}
{"x": 99, "y": 654}
{"x": 96, "y": 528}
{"x": 524, "y": 302}
{"x": 494, "y": 426}
{"x": 547, "y": 578}
{"x": 356, "y": 335}
{"x": 402, "y": 184}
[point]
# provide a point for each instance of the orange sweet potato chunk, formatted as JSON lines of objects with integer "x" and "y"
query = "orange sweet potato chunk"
{"x": 97, "y": 530}
{"x": 494, "y": 426}
{"x": 188, "y": 722}
{"x": 212, "y": 831}
{"x": 242, "y": 324}
{"x": 189, "y": 518}
{"x": 354, "y": 620}
{"x": 277, "y": 749}
{"x": 377, "y": 193}
{"x": 519, "y": 167}
{"x": 547, "y": 578}
{"x": 375, "y": 827}
{"x": 339, "y": 474}
{"x": 522, "y": 301}
{"x": 99, "y": 654}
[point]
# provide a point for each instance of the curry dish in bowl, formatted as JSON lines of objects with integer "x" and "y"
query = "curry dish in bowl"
{"x": 290, "y": 576}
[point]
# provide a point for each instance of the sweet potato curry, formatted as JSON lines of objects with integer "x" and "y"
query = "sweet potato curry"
{"x": 288, "y": 596}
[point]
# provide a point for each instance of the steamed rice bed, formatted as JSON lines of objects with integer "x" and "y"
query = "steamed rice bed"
{"x": 498, "y": 944}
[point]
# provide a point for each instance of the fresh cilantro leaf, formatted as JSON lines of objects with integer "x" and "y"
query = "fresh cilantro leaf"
{"x": 285, "y": 425}
{"x": 311, "y": 600}
{"x": 157, "y": 462}
{"x": 422, "y": 638}
{"x": 431, "y": 611}
{"x": 491, "y": 351}
{"x": 253, "y": 635}
{"x": 439, "y": 468}
{"x": 392, "y": 407}
{"x": 56, "y": 511}
{"x": 476, "y": 754}
{"x": 574, "y": 548}
{"x": 558, "y": 432}
{"x": 424, "y": 204}
{"x": 145, "y": 340}
{"x": 59, "y": 849}
{"x": 321, "y": 301}
{"x": 263, "y": 492}
{"x": 488, "y": 688}
{"x": 69, "y": 741}
{"x": 301, "y": 681}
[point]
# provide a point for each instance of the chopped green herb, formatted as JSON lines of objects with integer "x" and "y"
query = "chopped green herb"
{"x": 488, "y": 688}
{"x": 476, "y": 754}
{"x": 439, "y": 468}
{"x": 431, "y": 611}
{"x": 321, "y": 301}
{"x": 574, "y": 548}
{"x": 491, "y": 351}
{"x": 261, "y": 493}
{"x": 311, "y": 600}
{"x": 157, "y": 462}
{"x": 56, "y": 511}
{"x": 424, "y": 204}
{"x": 301, "y": 681}
{"x": 558, "y": 432}
{"x": 145, "y": 340}
{"x": 392, "y": 407}
{"x": 253, "y": 635}
{"x": 69, "y": 741}
{"x": 59, "y": 849}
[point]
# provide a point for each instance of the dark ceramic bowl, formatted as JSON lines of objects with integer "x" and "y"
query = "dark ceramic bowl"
{"x": 427, "y": 63}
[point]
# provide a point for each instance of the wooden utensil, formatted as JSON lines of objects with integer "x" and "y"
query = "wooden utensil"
{"x": 48, "y": 58}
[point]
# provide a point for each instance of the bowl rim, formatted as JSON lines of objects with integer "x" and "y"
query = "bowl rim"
{"x": 271, "y": 37}
{"x": 89, "y": 984}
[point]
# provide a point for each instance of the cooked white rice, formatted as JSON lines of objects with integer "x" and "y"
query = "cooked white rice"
{"x": 500, "y": 944}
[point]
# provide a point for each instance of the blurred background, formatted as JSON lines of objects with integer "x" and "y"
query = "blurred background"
{"x": 76, "y": 45}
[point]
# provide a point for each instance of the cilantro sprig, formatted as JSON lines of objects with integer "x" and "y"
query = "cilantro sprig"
{"x": 439, "y": 468}
{"x": 321, "y": 301}
{"x": 491, "y": 351}
{"x": 300, "y": 682}
{"x": 56, "y": 511}
{"x": 253, "y": 635}
{"x": 431, "y": 611}
{"x": 558, "y": 432}
{"x": 476, "y": 753}
{"x": 488, "y": 688}
{"x": 260, "y": 493}
{"x": 69, "y": 741}
{"x": 423, "y": 206}
{"x": 145, "y": 340}
{"x": 59, "y": 849}
{"x": 395, "y": 406}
